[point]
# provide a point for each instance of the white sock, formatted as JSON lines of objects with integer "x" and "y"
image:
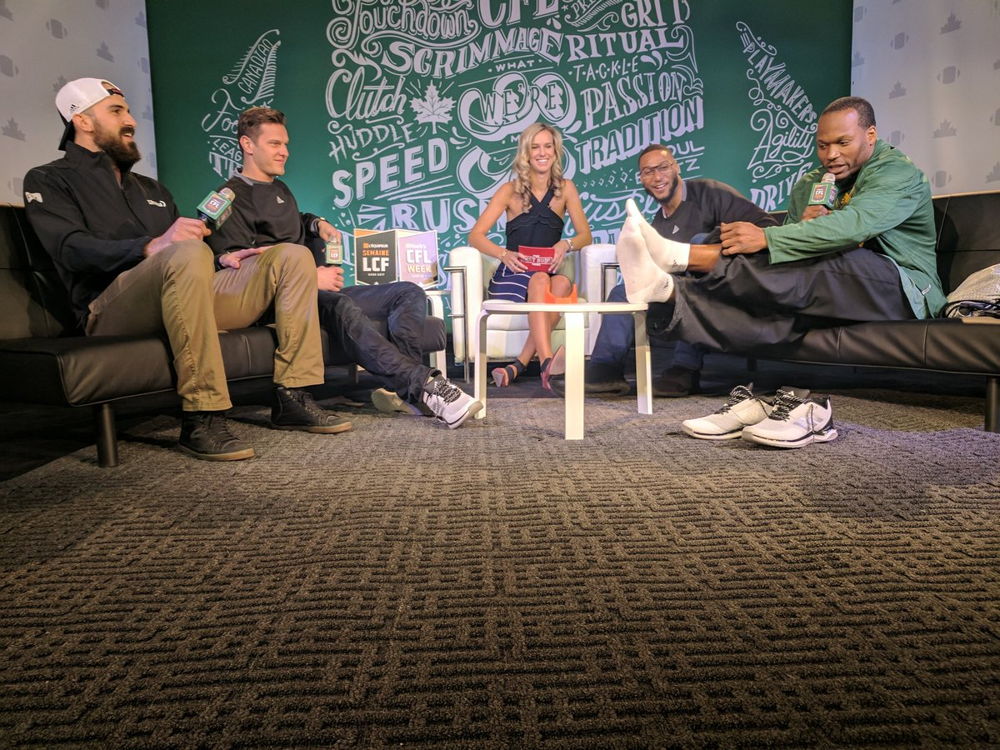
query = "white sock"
{"x": 645, "y": 281}
{"x": 671, "y": 256}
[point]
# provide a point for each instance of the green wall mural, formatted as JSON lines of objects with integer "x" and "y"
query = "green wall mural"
{"x": 405, "y": 114}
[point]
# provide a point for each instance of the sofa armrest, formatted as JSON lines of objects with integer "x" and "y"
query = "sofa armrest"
{"x": 466, "y": 298}
{"x": 598, "y": 274}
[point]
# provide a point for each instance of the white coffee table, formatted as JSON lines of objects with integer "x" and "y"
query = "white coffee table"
{"x": 574, "y": 316}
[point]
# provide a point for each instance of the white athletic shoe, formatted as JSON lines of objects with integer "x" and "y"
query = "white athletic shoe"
{"x": 449, "y": 403}
{"x": 794, "y": 421}
{"x": 740, "y": 410}
{"x": 389, "y": 402}
{"x": 644, "y": 280}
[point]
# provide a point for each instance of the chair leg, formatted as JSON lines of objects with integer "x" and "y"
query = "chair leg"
{"x": 992, "y": 405}
{"x": 107, "y": 437}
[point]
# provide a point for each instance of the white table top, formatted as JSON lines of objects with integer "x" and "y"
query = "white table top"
{"x": 503, "y": 306}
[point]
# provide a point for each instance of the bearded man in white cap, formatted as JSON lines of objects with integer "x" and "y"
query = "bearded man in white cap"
{"x": 134, "y": 266}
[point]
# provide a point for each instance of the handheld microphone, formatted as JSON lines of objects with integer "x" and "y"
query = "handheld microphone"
{"x": 216, "y": 208}
{"x": 824, "y": 192}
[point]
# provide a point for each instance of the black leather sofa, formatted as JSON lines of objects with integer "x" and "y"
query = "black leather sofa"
{"x": 45, "y": 358}
{"x": 968, "y": 239}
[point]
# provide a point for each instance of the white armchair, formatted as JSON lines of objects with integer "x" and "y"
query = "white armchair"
{"x": 505, "y": 334}
{"x": 600, "y": 274}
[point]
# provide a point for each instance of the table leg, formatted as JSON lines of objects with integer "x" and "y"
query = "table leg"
{"x": 480, "y": 385}
{"x": 574, "y": 375}
{"x": 643, "y": 365}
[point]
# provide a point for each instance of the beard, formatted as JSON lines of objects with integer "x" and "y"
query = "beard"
{"x": 665, "y": 200}
{"x": 123, "y": 154}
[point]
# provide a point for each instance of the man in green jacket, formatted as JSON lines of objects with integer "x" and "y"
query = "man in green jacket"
{"x": 864, "y": 254}
{"x": 868, "y": 256}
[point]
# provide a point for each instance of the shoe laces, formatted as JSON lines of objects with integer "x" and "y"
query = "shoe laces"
{"x": 738, "y": 395}
{"x": 217, "y": 424}
{"x": 784, "y": 404}
{"x": 444, "y": 390}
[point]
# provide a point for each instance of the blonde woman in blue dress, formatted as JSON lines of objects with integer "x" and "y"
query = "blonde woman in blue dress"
{"x": 536, "y": 202}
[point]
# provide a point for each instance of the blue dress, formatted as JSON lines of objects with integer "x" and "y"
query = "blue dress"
{"x": 539, "y": 227}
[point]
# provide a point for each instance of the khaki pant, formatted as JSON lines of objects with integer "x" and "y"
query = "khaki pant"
{"x": 178, "y": 291}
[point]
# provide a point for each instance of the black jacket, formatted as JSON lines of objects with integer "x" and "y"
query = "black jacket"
{"x": 93, "y": 228}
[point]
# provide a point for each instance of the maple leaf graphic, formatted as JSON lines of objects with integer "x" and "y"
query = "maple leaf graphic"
{"x": 433, "y": 108}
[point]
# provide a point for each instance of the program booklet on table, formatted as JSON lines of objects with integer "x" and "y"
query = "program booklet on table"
{"x": 536, "y": 258}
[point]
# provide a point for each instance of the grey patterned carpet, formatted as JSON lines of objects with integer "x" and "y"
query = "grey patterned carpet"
{"x": 496, "y": 586}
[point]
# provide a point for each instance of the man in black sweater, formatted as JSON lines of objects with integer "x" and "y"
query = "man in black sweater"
{"x": 133, "y": 266}
{"x": 265, "y": 214}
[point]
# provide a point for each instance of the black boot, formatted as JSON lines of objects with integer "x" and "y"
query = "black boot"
{"x": 206, "y": 435}
{"x": 295, "y": 409}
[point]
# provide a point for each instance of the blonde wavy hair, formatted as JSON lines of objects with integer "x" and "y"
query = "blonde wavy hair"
{"x": 521, "y": 170}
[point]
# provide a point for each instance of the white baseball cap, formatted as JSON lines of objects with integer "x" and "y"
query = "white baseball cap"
{"x": 79, "y": 95}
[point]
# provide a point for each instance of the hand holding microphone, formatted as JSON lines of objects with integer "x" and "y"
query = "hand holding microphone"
{"x": 212, "y": 212}
{"x": 216, "y": 208}
{"x": 823, "y": 198}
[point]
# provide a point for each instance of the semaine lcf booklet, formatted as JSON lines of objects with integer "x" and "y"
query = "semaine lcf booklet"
{"x": 537, "y": 258}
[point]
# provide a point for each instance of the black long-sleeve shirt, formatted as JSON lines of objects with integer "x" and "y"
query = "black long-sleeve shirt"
{"x": 94, "y": 228}
{"x": 706, "y": 204}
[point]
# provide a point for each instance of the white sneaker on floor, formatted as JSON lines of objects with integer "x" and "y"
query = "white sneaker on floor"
{"x": 740, "y": 410}
{"x": 449, "y": 403}
{"x": 389, "y": 402}
{"x": 794, "y": 421}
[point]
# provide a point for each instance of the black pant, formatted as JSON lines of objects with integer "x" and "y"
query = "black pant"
{"x": 745, "y": 302}
{"x": 403, "y": 305}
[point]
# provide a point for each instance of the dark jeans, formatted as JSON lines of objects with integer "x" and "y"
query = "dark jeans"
{"x": 616, "y": 336}
{"x": 397, "y": 360}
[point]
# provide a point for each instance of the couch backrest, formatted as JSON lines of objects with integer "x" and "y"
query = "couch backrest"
{"x": 968, "y": 235}
{"x": 33, "y": 300}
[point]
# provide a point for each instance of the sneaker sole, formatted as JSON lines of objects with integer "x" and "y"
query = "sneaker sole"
{"x": 390, "y": 403}
{"x": 712, "y": 435}
{"x": 315, "y": 429}
{"x": 813, "y": 437}
{"x": 476, "y": 406}
{"x": 239, "y": 455}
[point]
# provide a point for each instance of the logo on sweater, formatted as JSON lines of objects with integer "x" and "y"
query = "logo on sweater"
{"x": 279, "y": 199}
{"x": 160, "y": 204}
{"x": 29, "y": 197}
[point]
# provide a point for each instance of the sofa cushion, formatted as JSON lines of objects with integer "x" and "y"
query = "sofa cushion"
{"x": 83, "y": 370}
{"x": 939, "y": 345}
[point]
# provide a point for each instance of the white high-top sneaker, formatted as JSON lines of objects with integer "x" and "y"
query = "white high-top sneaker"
{"x": 449, "y": 403}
